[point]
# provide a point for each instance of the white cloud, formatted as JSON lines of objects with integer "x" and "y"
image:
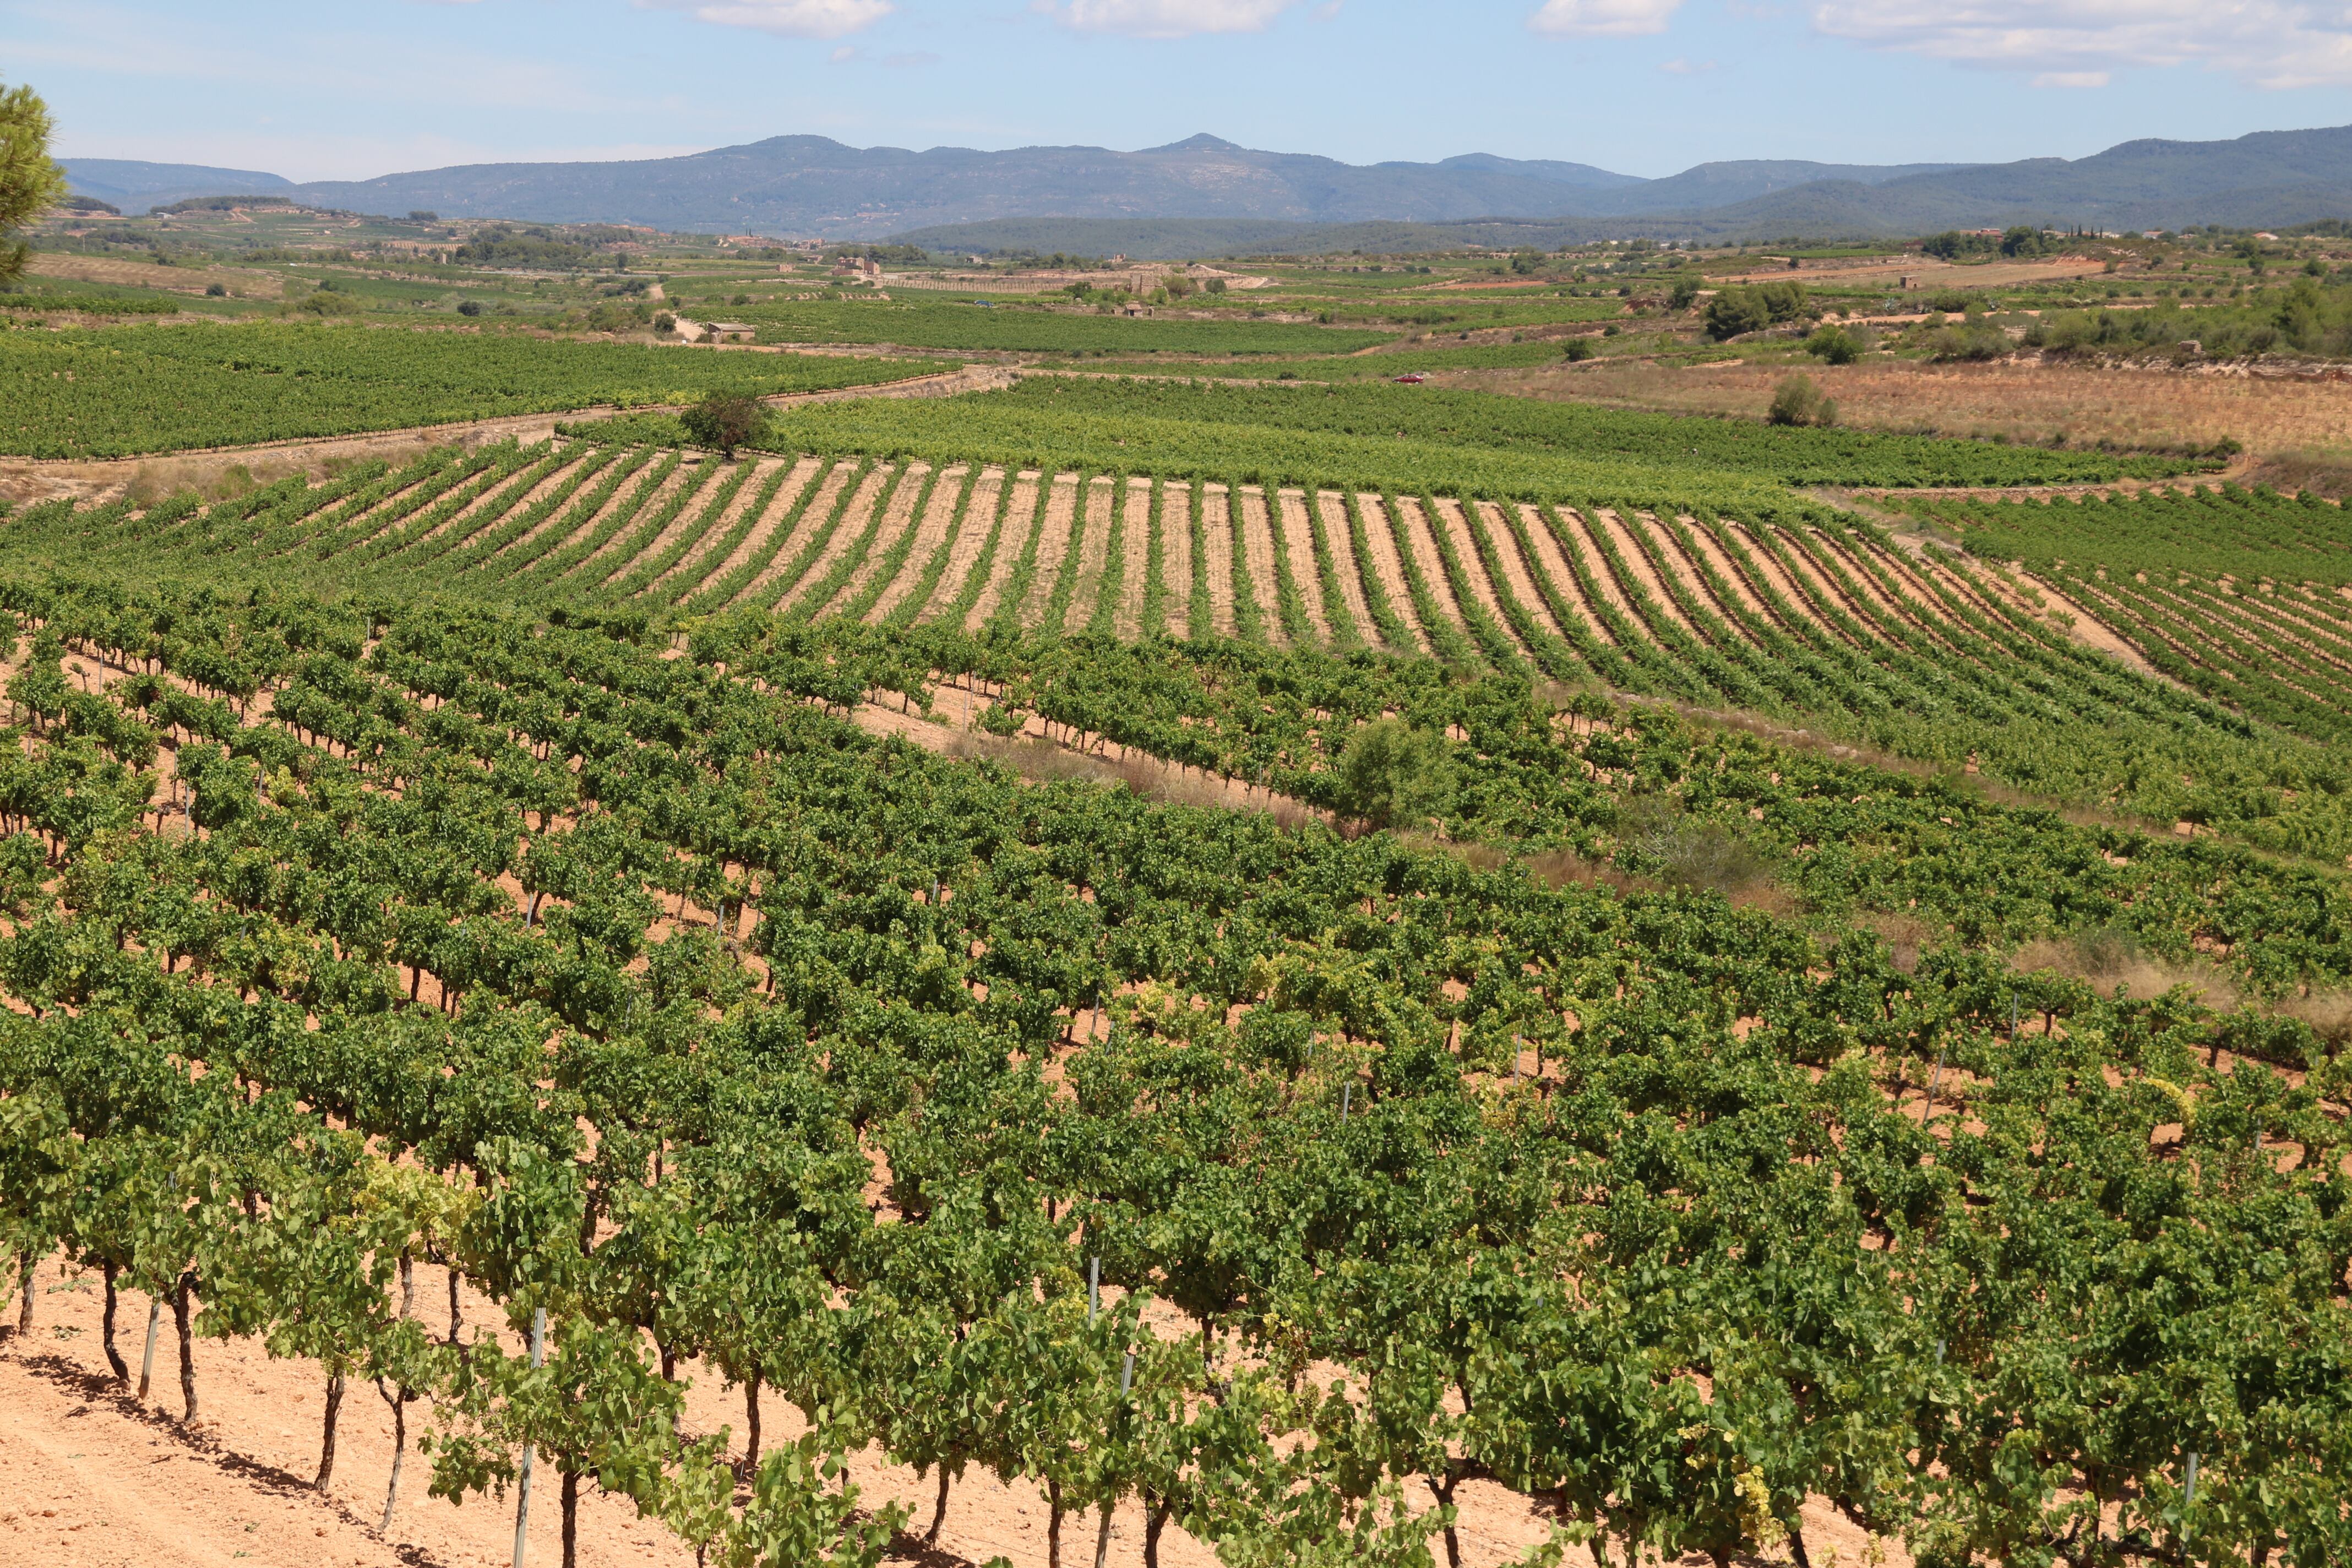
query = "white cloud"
{"x": 1170, "y": 18}
{"x": 2269, "y": 43}
{"x": 788, "y": 18}
{"x": 1684, "y": 66}
{"x": 2071, "y": 78}
{"x": 1603, "y": 18}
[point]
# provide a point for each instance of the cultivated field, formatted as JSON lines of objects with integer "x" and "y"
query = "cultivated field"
{"x": 1156, "y": 972}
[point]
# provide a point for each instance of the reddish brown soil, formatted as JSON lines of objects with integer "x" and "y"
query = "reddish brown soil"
{"x": 1176, "y": 553}
{"x": 1257, "y": 560}
{"x": 1094, "y": 552}
{"x": 1299, "y": 544}
{"x": 1136, "y": 539}
{"x": 854, "y": 518}
{"x": 1217, "y": 552}
{"x": 1053, "y": 545}
{"x": 778, "y": 508}
{"x": 970, "y": 537}
{"x": 1331, "y": 522}
{"x": 1020, "y": 519}
{"x": 896, "y": 522}
{"x": 1516, "y": 576}
{"x": 939, "y": 518}
{"x": 1388, "y": 570}
{"x": 2272, "y": 414}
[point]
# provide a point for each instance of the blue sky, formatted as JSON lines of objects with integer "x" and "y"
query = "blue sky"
{"x": 349, "y": 88}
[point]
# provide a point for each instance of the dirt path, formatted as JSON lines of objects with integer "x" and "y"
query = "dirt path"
{"x": 564, "y": 517}
{"x": 1330, "y": 519}
{"x": 855, "y": 520}
{"x": 1581, "y": 536}
{"x": 1473, "y": 566}
{"x": 1053, "y": 547}
{"x": 1257, "y": 562}
{"x": 1711, "y": 551}
{"x": 1136, "y": 540}
{"x": 1551, "y": 561}
{"x": 1217, "y": 553}
{"x": 1021, "y": 523}
{"x": 516, "y": 489}
{"x": 1388, "y": 570}
{"x": 939, "y": 517}
{"x": 1914, "y": 622}
{"x": 896, "y": 522}
{"x": 752, "y": 544}
{"x": 1517, "y": 575}
{"x": 691, "y": 480}
{"x": 1298, "y": 546}
{"x": 971, "y": 530}
{"x": 694, "y": 520}
{"x": 1603, "y": 522}
{"x": 1826, "y": 590}
{"x": 1798, "y": 595}
{"x": 1094, "y": 552}
{"x": 372, "y": 517}
{"x": 1677, "y": 558}
{"x": 692, "y": 567}
{"x": 764, "y": 583}
{"x": 1176, "y": 556}
{"x": 90, "y": 1478}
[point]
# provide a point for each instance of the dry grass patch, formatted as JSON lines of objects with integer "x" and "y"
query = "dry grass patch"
{"x": 2308, "y": 419}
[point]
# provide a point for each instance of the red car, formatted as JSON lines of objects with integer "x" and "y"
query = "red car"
{"x": 1413, "y": 378}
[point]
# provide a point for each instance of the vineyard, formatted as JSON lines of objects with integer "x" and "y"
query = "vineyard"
{"x": 2238, "y": 595}
{"x": 626, "y": 950}
{"x": 1197, "y": 1173}
{"x": 125, "y": 391}
{"x": 1019, "y": 327}
{"x": 1750, "y": 601}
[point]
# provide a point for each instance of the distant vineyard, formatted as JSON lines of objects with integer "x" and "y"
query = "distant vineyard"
{"x": 1417, "y": 436}
{"x": 129, "y": 389}
{"x": 2244, "y": 595}
{"x": 965, "y": 324}
{"x": 1775, "y": 607}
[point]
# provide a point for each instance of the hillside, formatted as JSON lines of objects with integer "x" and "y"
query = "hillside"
{"x": 135, "y": 187}
{"x": 1207, "y": 196}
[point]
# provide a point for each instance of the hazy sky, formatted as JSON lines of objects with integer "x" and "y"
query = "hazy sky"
{"x": 349, "y": 88}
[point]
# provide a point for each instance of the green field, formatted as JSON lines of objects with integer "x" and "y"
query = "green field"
{"x": 125, "y": 391}
{"x": 959, "y": 323}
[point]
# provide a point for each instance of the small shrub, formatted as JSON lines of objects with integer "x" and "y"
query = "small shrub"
{"x": 1797, "y": 401}
{"x": 1833, "y": 345}
{"x": 1576, "y": 349}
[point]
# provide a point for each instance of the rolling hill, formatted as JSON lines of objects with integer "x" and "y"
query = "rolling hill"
{"x": 1207, "y": 196}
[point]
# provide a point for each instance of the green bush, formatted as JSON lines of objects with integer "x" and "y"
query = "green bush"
{"x": 1797, "y": 401}
{"x": 1833, "y": 345}
{"x": 1733, "y": 312}
{"x": 1391, "y": 775}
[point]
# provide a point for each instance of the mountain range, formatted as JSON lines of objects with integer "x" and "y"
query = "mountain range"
{"x": 1205, "y": 196}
